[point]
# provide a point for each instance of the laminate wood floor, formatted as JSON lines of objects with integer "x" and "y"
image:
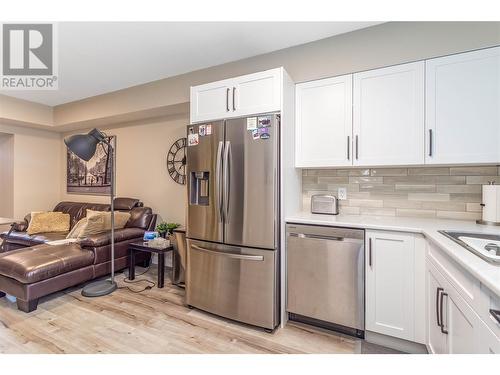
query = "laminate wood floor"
{"x": 154, "y": 321}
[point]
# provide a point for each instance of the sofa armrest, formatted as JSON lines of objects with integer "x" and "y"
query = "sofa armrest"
{"x": 21, "y": 226}
{"x": 103, "y": 239}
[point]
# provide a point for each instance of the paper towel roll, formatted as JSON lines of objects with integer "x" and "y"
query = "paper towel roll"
{"x": 491, "y": 202}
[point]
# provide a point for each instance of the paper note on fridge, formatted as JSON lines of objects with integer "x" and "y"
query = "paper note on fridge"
{"x": 193, "y": 139}
{"x": 251, "y": 123}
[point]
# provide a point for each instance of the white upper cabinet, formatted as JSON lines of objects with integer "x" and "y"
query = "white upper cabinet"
{"x": 246, "y": 95}
{"x": 257, "y": 93}
{"x": 388, "y": 120}
{"x": 323, "y": 122}
{"x": 210, "y": 101}
{"x": 463, "y": 108}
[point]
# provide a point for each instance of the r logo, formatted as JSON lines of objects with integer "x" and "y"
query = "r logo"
{"x": 27, "y": 49}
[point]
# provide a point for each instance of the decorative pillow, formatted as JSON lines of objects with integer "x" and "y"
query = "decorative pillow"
{"x": 45, "y": 222}
{"x": 77, "y": 228}
{"x": 91, "y": 225}
{"x": 121, "y": 218}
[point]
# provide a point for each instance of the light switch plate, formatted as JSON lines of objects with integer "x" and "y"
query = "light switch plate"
{"x": 342, "y": 194}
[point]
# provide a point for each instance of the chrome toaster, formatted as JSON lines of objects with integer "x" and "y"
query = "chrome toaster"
{"x": 324, "y": 204}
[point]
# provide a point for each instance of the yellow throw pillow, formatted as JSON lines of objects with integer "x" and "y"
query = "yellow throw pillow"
{"x": 92, "y": 225}
{"x": 121, "y": 218}
{"x": 45, "y": 222}
{"x": 77, "y": 228}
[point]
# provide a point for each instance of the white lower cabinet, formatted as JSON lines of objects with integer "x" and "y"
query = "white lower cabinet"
{"x": 453, "y": 326}
{"x": 461, "y": 324}
{"x": 458, "y": 309}
{"x": 436, "y": 340}
{"x": 394, "y": 264}
{"x": 489, "y": 342}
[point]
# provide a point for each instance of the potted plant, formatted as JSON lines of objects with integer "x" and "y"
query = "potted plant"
{"x": 165, "y": 229}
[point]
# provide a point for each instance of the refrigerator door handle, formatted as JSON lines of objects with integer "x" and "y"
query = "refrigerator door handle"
{"x": 226, "y": 177}
{"x": 218, "y": 179}
{"x": 259, "y": 258}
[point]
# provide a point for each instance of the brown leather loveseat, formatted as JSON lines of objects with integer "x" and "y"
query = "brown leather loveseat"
{"x": 30, "y": 268}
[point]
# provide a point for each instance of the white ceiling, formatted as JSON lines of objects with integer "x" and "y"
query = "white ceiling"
{"x": 100, "y": 57}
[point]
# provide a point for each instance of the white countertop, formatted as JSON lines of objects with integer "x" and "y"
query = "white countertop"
{"x": 486, "y": 273}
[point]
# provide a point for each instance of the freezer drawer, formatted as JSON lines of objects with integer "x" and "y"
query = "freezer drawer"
{"x": 325, "y": 268}
{"x": 234, "y": 282}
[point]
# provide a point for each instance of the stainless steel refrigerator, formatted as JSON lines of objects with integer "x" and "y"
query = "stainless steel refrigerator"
{"x": 233, "y": 219}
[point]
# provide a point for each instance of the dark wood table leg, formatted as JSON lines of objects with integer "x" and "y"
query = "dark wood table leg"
{"x": 161, "y": 269}
{"x": 131, "y": 269}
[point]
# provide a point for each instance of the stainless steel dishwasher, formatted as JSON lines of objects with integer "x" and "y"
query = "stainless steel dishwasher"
{"x": 325, "y": 277}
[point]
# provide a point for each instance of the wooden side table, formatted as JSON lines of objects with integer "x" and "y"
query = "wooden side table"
{"x": 143, "y": 246}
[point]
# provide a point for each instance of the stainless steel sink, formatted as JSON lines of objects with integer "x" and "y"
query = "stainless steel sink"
{"x": 485, "y": 246}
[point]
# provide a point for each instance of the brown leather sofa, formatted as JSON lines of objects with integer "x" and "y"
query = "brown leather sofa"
{"x": 30, "y": 268}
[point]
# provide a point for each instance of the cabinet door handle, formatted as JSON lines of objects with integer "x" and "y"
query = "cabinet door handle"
{"x": 441, "y": 312}
{"x": 495, "y": 314}
{"x": 438, "y": 292}
{"x": 430, "y": 142}
{"x": 227, "y": 99}
{"x": 370, "y": 252}
{"x": 234, "y": 104}
{"x": 348, "y": 148}
{"x": 357, "y": 147}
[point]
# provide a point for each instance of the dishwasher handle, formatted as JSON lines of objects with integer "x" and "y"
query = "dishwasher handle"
{"x": 316, "y": 236}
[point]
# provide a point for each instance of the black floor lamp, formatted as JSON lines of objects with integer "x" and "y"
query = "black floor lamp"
{"x": 84, "y": 146}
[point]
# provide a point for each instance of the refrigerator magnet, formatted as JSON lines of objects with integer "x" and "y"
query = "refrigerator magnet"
{"x": 264, "y": 122}
{"x": 255, "y": 134}
{"x": 264, "y": 133}
{"x": 208, "y": 129}
{"x": 251, "y": 123}
{"x": 193, "y": 139}
{"x": 202, "y": 130}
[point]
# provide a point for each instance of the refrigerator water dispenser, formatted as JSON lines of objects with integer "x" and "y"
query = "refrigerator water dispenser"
{"x": 199, "y": 188}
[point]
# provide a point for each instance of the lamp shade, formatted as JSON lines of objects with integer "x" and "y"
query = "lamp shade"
{"x": 84, "y": 145}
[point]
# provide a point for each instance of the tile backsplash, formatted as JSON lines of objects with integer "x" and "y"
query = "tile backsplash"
{"x": 442, "y": 192}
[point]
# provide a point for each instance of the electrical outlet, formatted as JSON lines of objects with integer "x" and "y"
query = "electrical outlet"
{"x": 342, "y": 195}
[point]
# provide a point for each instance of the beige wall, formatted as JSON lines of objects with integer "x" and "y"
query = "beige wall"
{"x": 141, "y": 167}
{"x": 22, "y": 111}
{"x": 6, "y": 175}
{"x": 37, "y": 165}
{"x": 377, "y": 46}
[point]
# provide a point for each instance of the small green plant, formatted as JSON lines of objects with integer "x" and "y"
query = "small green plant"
{"x": 166, "y": 228}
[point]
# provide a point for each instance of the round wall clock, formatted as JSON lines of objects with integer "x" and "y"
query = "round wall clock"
{"x": 176, "y": 161}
